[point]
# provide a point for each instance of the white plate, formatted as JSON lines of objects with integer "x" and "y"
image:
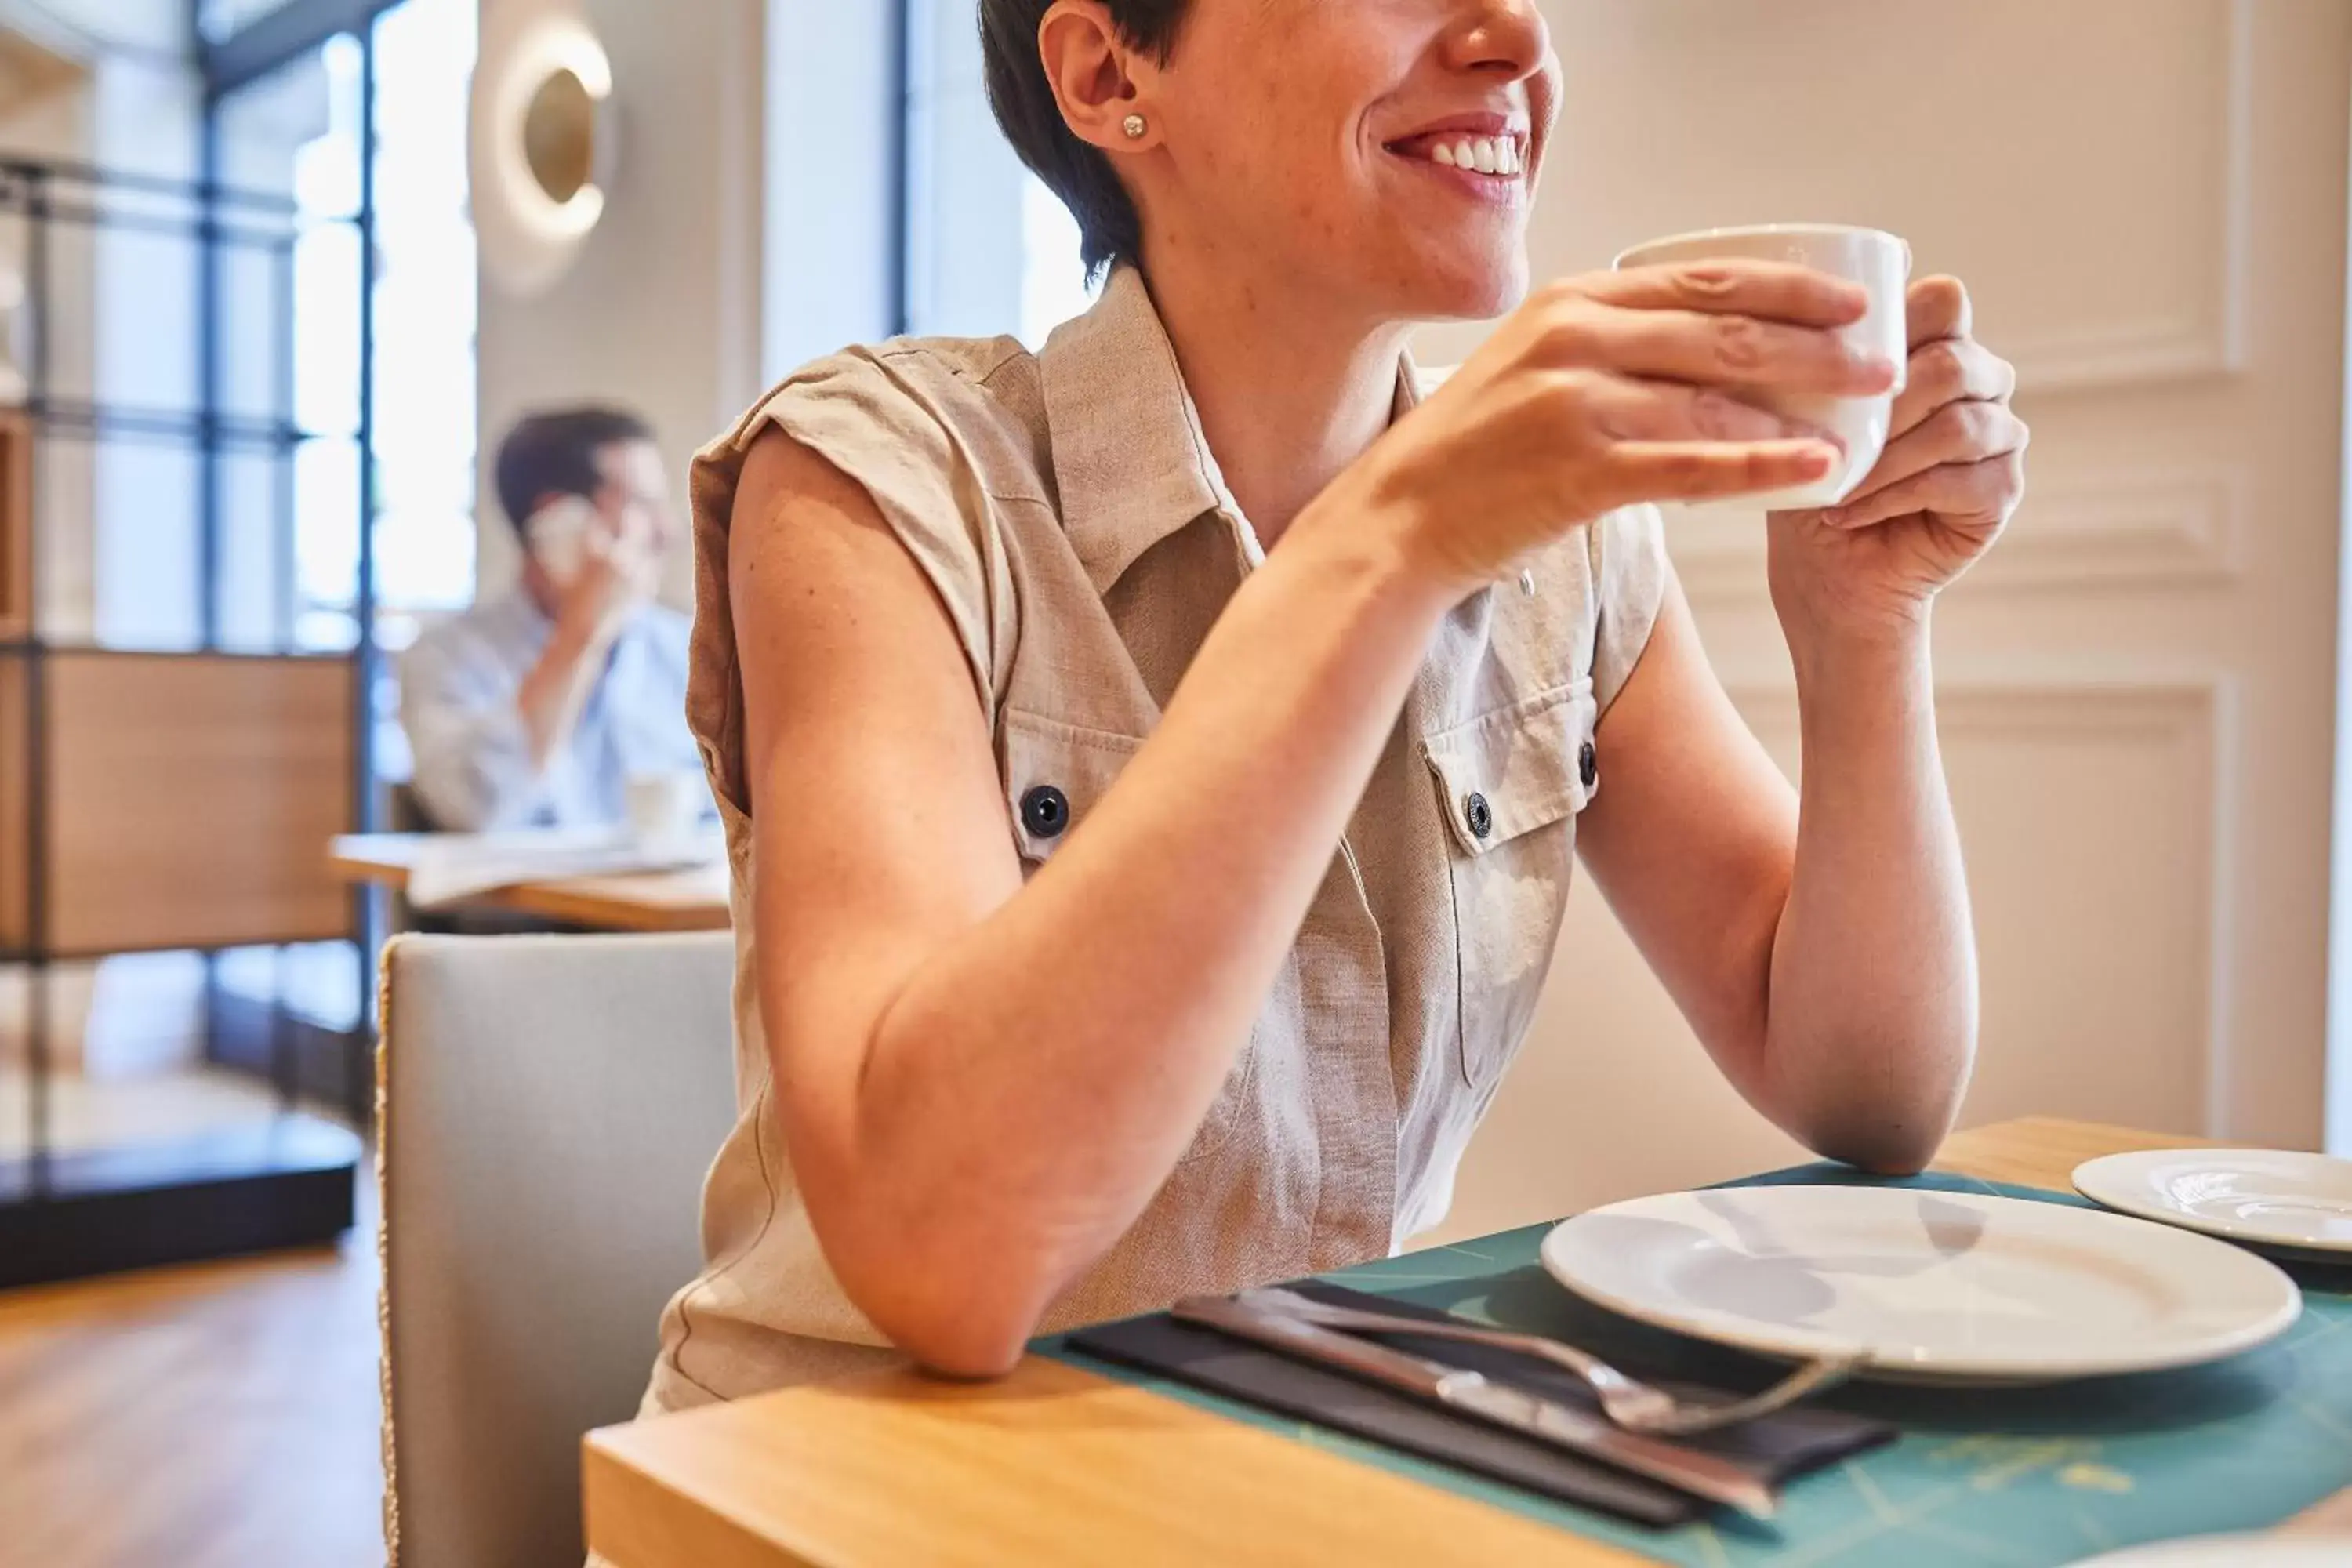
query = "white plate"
{"x": 1933, "y": 1287}
{"x": 2234, "y": 1552}
{"x": 2263, "y": 1197}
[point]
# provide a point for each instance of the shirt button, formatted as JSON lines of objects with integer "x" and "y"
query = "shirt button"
{"x": 1045, "y": 812}
{"x": 1588, "y": 764}
{"x": 1480, "y": 816}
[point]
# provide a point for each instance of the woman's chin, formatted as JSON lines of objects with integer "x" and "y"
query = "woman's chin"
{"x": 1461, "y": 287}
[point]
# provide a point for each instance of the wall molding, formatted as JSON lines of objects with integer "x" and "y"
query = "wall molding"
{"x": 2202, "y": 340}
{"x": 2124, "y": 530}
{"x": 2129, "y": 529}
{"x": 2031, "y": 702}
{"x": 2197, "y": 711}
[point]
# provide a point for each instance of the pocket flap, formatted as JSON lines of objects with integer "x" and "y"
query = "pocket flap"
{"x": 1055, "y": 773}
{"x": 1519, "y": 768}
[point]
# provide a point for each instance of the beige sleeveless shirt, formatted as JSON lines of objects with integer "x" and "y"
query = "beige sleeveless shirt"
{"x": 1066, "y": 509}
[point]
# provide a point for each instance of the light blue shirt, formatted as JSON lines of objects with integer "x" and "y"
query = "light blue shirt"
{"x": 458, "y": 690}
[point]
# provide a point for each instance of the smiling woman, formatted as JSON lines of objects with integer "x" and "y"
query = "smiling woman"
{"x": 1215, "y": 812}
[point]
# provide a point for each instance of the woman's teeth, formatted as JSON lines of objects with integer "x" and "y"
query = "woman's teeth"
{"x": 1484, "y": 155}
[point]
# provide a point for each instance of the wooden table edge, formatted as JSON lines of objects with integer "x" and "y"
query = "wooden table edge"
{"x": 573, "y": 901}
{"x": 576, "y": 902}
{"x": 647, "y": 1487}
{"x": 365, "y": 870}
{"x": 1202, "y": 1465}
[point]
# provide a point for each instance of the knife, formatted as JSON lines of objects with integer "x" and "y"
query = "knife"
{"x": 1589, "y": 1436}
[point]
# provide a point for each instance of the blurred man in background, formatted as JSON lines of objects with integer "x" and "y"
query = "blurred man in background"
{"x": 537, "y": 707}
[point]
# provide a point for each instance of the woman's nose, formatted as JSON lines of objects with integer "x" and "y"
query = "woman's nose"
{"x": 1500, "y": 36}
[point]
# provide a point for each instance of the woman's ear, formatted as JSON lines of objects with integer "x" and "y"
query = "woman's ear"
{"x": 1102, "y": 85}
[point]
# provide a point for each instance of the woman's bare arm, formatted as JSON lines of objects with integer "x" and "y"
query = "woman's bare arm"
{"x": 1824, "y": 951}
{"x": 982, "y": 1090}
{"x": 1828, "y": 968}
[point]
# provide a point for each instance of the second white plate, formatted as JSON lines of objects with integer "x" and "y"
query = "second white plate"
{"x": 1935, "y": 1286}
{"x": 2266, "y": 1197}
{"x": 2236, "y": 1552}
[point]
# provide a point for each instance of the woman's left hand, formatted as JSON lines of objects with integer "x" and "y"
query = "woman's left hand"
{"x": 1951, "y": 476}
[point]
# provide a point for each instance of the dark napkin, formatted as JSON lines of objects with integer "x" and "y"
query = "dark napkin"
{"x": 1776, "y": 1449}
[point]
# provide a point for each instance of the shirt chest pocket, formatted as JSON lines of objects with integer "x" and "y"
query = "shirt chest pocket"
{"x": 1056, "y": 775}
{"x": 1510, "y": 787}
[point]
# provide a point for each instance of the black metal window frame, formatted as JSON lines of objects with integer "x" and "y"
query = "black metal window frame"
{"x": 270, "y": 43}
{"x": 60, "y": 1218}
{"x": 90, "y": 1211}
{"x": 904, "y": 18}
{"x": 278, "y": 39}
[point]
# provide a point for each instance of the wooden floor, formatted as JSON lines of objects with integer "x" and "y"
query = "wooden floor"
{"x": 214, "y": 1418}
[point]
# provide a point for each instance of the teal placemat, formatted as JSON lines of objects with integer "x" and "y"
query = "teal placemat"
{"x": 2017, "y": 1478}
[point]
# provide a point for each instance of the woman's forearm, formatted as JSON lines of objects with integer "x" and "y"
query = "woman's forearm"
{"x": 1872, "y": 1019}
{"x": 1033, "y": 1082}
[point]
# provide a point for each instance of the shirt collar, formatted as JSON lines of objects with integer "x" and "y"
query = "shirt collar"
{"x": 516, "y": 609}
{"x": 1130, "y": 460}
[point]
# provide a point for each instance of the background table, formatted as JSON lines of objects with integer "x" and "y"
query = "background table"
{"x": 1055, "y": 1466}
{"x": 692, "y": 899}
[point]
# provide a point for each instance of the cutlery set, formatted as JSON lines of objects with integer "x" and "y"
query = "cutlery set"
{"x": 1284, "y": 1328}
{"x": 1888, "y": 1284}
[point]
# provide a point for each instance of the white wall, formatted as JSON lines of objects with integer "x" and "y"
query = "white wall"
{"x": 2137, "y": 689}
{"x": 661, "y": 312}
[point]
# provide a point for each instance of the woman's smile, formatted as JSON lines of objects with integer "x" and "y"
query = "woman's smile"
{"x": 1488, "y": 156}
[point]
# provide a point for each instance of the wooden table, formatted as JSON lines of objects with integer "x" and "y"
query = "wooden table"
{"x": 1053, "y": 1466}
{"x": 693, "y": 900}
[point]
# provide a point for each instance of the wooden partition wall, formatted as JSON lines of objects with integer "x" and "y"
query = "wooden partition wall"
{"x": 16, "y": 752}
{"x": 16, "y": 528}
{"x": 190, "y": 799}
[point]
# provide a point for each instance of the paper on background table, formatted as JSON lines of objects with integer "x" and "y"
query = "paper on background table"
{"x": 450, "y": 868}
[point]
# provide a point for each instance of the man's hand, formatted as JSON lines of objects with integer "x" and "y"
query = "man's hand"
{"x": 618, "y": 576}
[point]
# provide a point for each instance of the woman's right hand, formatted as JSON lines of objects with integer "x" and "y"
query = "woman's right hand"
{"x": 1611, "y": 389}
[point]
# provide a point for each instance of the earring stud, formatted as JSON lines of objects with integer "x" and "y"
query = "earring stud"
{"x": 1136, "y": 127}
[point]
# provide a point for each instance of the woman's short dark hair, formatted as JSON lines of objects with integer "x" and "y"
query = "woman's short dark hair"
{"x": 553, "y": 453}
{"x": 1031, "y": 118}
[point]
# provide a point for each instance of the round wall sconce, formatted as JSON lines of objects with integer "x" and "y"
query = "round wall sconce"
{"x": 543, "y": 140}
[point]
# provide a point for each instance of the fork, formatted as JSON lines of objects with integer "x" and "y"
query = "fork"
{"x": 1627, "y": 1401}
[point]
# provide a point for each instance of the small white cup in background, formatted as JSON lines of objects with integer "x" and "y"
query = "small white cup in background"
{"x": 1881, "y": 263}
{"x": 666, "y": 809}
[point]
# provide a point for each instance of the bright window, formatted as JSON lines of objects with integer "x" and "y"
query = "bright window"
{"x": 1053, "y": 279}
{"x": 989, "y": 248}
{"x": 426, "y": 315}
{"x": 424, "y": 307}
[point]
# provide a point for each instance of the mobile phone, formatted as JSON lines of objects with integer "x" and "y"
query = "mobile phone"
{"x": 559, "y": 534}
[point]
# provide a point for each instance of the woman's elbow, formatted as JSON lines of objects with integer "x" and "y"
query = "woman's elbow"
{"x": 973, "y": 1335}
{"x": 1885, "y": 1113}
{"x": 951, "y": 1312}
{"x": 1901, "y": 1144}
{"x": 968, "y": 1347}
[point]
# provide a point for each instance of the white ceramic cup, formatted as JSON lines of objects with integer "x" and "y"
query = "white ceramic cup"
{"x": 666, "y": 809}
{"x": 1881, "y": 263}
